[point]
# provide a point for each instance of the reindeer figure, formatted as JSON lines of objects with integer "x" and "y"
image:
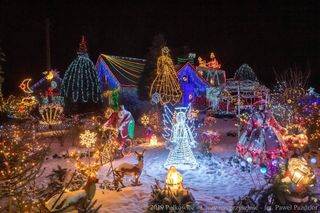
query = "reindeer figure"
{"x": 127, "y": 169}
{"x": 70, "y": 201}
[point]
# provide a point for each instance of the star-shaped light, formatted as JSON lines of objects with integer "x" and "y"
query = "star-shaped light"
{"x": 88, "y": 138}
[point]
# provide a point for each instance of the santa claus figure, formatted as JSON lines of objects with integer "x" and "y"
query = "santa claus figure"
{"x": 125, "y": 124}
{"x": 112, "y": 119}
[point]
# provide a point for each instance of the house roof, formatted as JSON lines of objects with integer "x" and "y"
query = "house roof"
{"x": 42, "y": 84}
{"x": 190, "y": 70}
{"x": 116, "y": 71}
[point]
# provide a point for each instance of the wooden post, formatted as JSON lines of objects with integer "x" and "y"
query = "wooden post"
{"x": 238, "y": 110}
{"x": 48, "y": 51}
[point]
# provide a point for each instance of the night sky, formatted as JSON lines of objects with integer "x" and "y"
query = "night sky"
{"x": 267, "y": 35}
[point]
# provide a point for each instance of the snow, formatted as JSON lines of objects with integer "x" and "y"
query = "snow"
{"x": 67, "y": 198}
{"x": 214, "y": 184}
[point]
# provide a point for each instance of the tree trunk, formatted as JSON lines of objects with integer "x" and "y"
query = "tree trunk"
{"x": 10, "y": 204}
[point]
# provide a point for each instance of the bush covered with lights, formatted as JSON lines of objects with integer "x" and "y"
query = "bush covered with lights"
{"x": 173, "y": 197}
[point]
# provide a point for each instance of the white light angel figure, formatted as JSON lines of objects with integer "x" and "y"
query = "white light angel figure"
{"x": 179, "y": 134}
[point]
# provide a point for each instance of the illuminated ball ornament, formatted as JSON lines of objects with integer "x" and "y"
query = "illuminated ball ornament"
{"x": 54, "y": 84}
{"x": 275, "y": 162}
{"x": 249, "y": 160}
{"x": 313, "y": 160}
{"x": 88, "y": 138}
{"x": 263, "y": 170}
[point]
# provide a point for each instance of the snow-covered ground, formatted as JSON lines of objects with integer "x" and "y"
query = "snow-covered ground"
{"x": 214, "y": 185}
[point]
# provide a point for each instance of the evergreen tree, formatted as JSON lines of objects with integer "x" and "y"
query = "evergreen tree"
{"x": 149, "y": 72}
{"x": 56, "y": 184}
{"x": 20, "y": 165}
{"x": 81, "y": 86}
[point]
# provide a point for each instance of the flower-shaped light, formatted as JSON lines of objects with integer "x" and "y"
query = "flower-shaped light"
{"x": 88, "y": 138}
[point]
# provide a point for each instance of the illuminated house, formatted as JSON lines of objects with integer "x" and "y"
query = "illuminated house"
{"x": 119, "y": 73}
{"x": 192, "y": 83}
{"x": 49, "y": 87}
{"x": 211, "y": 71}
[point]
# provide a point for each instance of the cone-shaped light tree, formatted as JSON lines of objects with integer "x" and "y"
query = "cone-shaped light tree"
{"x": 80, "y": 86}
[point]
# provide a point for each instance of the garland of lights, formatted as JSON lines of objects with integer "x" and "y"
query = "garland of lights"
{"x": 81, "y": 83}
{"x": 21, "y": 164}
{"x": 19, "y": 107}
{"x": 310, "y": 111}
{"x": 253, "y": 142}
{"x": 296, "y": 136}
{"x": 166, "y": 82}
{"x": 130, "y": 70}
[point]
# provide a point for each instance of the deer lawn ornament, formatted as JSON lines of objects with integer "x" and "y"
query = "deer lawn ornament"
{"x": 70, "y": 201}
{"x": 127, "y": 169}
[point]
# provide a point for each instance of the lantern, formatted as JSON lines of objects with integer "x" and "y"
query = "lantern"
{"x": 301, "y": 173}
{"x": 298, "y": 176}
{"x": 174, "y": 179}
{"x": 153, "y": 140}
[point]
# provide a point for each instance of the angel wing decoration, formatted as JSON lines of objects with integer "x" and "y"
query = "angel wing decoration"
{"x": 191, "y": 120}
{"x": 167, "y": 123}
